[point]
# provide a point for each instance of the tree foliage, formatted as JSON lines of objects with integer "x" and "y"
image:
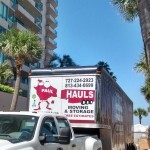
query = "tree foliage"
{"x": 140, "y": 112}
{"x": 142, "y": 67}
{"x": 6, "y": 72}
{"x": 128, "y": 8}
{"x": 65, "y": 61}
{"x": 105, "y": 65}
{"x": 21, "y": 46}
{"x": 54, "y": 61}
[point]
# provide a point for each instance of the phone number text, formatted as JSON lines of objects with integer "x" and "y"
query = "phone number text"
{"x": 79, "y": 85}
{"x": 70, "y": 80}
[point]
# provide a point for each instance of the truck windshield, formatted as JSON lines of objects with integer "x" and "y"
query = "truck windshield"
{"x": 17, "y": 128}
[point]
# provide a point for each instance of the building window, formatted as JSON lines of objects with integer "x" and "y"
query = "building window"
{"x": 38, "y": 21}
{"x": 3, "y": 11}
{"x": 19, "y": 21}
{"x": 39, "y": 6}
{"x": 14, "y": 1}
{"x": 24, "y": 80}
{"x": 37, "y": 65}
{"x": 27, "y": 63}
{"x": 2, "y": 58}
{"x": 2, "y": 30}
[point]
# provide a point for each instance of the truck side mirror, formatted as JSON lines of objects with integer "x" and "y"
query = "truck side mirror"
{"x": 65, "y": 135}
{"x": 42, "y": 138}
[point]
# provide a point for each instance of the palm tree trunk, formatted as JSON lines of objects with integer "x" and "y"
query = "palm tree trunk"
{"x": 140, "y": 118}
{"x": 144, "y": 16}
{"x": 16, "y": 92}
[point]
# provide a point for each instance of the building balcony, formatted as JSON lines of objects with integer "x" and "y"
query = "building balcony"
{"x": 3, "y": 22}
{"x": 50, "y": 44}
{"x": 51, "y": 10}
{"x": 39, "y": 5}
{"x": 25, "y": 68}
{"x": 16, "y": 25}
{"x": 27, "y": 19}
{"x": 35, "y": 66}
{"x": 19, "y": 26}
{"x": 19, "y": 10}
{"x": 49, "y": 52}
{"x": 50, "y": 32}
{"x": 51, "y": 21}
{"x": 24, "y": 86}
{"x": 8, "y": 3}
{"x": 53, "y": 2}
{"x": 48, "y": 58}
{"x": 29, "y": 5}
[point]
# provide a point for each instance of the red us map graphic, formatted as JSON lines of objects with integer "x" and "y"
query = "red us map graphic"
{"x": 44, "y": 93}
{"x": 71, "y": 95}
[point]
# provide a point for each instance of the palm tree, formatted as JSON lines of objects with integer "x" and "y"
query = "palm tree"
{"x": 21, "y": 46}
{"x": 145, "y": 90}
{"x": 142, "y": 67}
{"x": 105, "y": 65}
{"x": 54, "y": 60}
{"x": 6, "y": 72}
{"x": 140, "y": 112}
{"x": 130, "y": 9}
{"x": 66, "y": 61}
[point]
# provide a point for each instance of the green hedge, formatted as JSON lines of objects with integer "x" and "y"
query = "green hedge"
{"x": 6, "y": 89}
{"x": 11, "y": 90}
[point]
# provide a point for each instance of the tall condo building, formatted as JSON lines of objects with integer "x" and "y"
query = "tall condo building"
{"x": 38, "y": 16}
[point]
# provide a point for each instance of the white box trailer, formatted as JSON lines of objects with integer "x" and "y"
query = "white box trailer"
{"x": 90, "y": 98}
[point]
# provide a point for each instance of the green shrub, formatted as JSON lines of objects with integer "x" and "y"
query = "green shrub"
{"x": 6, "y": 89}
{"x": 11, "y": 90}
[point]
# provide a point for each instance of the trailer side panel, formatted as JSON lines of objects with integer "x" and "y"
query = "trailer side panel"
{"x": 116, "y": 111}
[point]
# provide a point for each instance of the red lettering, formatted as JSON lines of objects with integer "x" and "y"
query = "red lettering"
{"x": 76, "y": 96}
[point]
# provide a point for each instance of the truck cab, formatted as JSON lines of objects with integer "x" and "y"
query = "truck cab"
{"x": 39, "y": 131}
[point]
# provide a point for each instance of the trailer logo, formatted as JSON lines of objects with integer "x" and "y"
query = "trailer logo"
{"x": 45, "y": 91}
{"x": 84, "y": 97}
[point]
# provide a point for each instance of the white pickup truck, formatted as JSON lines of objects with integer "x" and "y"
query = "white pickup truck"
{"x": 41, "y": 131}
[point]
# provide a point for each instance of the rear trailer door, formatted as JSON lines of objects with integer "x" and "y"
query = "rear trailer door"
{"x": 72, "y": 95}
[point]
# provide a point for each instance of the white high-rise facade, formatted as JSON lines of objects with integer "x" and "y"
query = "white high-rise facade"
{"x": 38, "y": 16}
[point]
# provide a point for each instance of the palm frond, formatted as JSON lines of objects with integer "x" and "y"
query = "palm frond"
{"x": 141, "y": 65}
{"x": 6, "y": 72}
{"x": 128, "y": 8}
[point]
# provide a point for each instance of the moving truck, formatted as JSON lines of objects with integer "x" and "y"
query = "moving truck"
{"x": 91, "y": 100}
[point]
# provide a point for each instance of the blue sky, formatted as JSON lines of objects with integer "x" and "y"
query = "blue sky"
{"x": 93, "y": 30}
